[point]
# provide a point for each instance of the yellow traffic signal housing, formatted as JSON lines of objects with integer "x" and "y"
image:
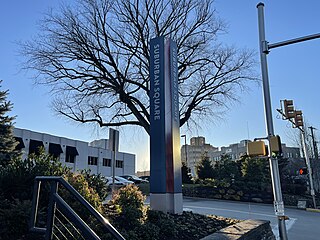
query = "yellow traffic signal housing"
{"x": 298, "y": 119}
{"x": 257, "y": 148}
{"x": 288, "y": 109}
{"x": 275, "y": 144}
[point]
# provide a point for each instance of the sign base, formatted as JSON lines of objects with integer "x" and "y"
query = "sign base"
{"x": 167, "y": 202}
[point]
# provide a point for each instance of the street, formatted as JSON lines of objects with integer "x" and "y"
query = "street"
{"x": 301, "y": 225}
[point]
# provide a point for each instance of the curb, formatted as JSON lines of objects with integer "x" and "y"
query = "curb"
{"x": 313, "y": 210}
{"x": 238, "y": 201}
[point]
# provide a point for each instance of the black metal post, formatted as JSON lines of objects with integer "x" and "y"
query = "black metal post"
{"x": 315, "y": 149}
{"x": 51, "y": 210}
{"x": 34, "y": 206}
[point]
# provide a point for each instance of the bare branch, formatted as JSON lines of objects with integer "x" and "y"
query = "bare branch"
{"x": 95, "y": 56}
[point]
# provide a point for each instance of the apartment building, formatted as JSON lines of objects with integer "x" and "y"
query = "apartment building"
{"x": 193, "y": 153}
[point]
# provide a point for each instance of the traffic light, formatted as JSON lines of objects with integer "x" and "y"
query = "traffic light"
{"x": 303, "y": 171}
{"x": 275, "y": 144}
{"x": 298, "y": 119}
{"x": 288, "y": 109}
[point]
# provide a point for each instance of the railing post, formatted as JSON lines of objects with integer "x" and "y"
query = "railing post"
{"x": 35, "y": 202}
{"x": 51, "y": 209}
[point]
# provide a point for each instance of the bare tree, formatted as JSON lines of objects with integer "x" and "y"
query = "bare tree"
{"x": 95, "y": 56}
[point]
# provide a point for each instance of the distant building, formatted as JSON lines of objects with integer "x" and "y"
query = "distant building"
{"x": 199, "y": 148}
{"x": 236, "y": 150}
{"x": 77, "y": 155}
{"x": 143, "y": 173}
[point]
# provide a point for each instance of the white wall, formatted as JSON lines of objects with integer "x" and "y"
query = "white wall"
{"x": 84, "y": 151}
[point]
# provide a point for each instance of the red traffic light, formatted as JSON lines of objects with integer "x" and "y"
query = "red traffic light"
{"x": 303, "y": 171}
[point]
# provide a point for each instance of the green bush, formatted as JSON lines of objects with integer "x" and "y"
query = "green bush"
{"x": 14, "y": 217}
{"x": 129, "y": 202}
{"x": 17, "y": 179}
{"x": 97, "y": 182}
{"x": 16, "y": 187}
{"x": 79, "y": 182}
{"x": 10, "y": 213}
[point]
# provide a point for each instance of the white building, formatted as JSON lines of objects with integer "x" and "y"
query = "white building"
{"x": 77, "y": 155}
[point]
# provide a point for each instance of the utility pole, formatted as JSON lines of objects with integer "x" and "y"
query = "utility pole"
{"x": 312, "y": 192}
{"x": 314, "y": 143}
{"x": 315, "y": 163}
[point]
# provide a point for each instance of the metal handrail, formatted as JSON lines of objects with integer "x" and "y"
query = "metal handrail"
{"x": 56, "y": 200}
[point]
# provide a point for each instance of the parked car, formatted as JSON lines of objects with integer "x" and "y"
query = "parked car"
{"x": 116, "y": 182}
{"x": 145, "y": 178}
{"x": 124, "y": 181}
{"x": 134, "y": 179}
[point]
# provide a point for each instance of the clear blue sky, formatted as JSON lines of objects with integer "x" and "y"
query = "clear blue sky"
{"x": 293, "y": 70}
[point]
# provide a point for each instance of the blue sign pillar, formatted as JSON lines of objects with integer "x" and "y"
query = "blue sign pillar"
{"x": 165, "y": 166}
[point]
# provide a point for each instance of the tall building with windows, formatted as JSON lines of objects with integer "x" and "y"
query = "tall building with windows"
{"x": 77, "y": 155}
{"x": 192, "y": 154}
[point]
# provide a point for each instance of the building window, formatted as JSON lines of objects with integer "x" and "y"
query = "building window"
{"x": 55, "y": 150}
{"x": 20, "y": 143}
{"x": 119, "y": 164}
{"x": 92, "y": 160}
{"x": 34, "y": 146}
{"x": 71, "y": 153}
{"x": 106, "y": 162}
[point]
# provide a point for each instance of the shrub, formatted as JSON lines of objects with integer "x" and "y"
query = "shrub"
{"x": 97, "y": 182}
{"x": 16, "y": 187}
{"x": 79, "y": 182}
{"x": 17, "y": 179}
{"x": 10, "y": 212}
{"x": 14, "y": 216}
{"x": 129, "y": 202}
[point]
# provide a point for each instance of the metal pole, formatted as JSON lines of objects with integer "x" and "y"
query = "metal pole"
{"x": 295, "y": 40}
{"x": 113, "y": 170}
{"x": 113, "y": 146}
{"x": 185, "y": 148}
{"x": 274, "y": 168}
{"x": 315, "y": 150}
{"x": 51, "y": 210}
{"x": 303, "y": 136}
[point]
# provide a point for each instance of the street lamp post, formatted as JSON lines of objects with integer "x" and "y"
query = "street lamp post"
{"x": 274, "y": 168}
{"x": 185, "y": 148}
{"x": 265, "y": 47}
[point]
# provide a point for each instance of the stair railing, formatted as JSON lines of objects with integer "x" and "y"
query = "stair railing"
{"x": 56, "y": 203}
